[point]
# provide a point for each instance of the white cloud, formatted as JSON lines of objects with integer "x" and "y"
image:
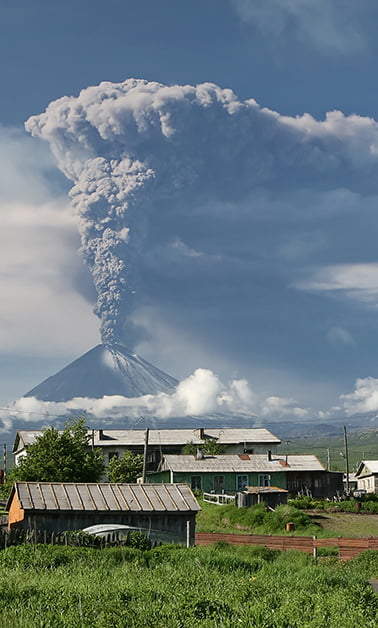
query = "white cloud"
{"x": 331, "y": 25}
{"x": 282, "y": 406}
{"x": 199, "y": 394}
{"x": 358, "y": 282}
{"x": 41, "y": 310}
{"x": 364, "y": 398}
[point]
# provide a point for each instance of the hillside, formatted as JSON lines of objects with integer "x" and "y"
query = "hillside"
{"x": 362, "y": 445}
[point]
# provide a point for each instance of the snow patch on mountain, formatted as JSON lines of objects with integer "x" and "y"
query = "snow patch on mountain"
{"x": 104, "y": 371}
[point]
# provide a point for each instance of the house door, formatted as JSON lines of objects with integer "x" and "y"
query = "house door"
{"x": 195, "y": 483}
{"x": 219, "y": 483}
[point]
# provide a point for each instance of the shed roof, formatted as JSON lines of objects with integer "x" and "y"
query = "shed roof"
{"x": 104, "y": 497}
{"x": 240, "y": 463}
{"x": 260, "y": 490}
{"x": 111, "y": 438}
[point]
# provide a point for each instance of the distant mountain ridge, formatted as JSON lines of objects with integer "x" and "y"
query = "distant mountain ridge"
{"x": 104, "y": 370}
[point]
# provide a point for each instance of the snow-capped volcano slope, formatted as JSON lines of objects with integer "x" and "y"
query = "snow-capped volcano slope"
{"x": 104, "y": 370}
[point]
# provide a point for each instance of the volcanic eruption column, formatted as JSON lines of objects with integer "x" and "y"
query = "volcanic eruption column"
{"x": 133, "y": 147}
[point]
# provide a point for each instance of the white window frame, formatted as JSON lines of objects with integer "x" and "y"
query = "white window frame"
{"x": 264, "y": 479}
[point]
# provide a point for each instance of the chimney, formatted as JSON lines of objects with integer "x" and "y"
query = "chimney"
{"x": 270, "y": 455}
{"x": 199, "y": 455}
{"x": 200, "y": 432}
{"x": 100, "y": 434}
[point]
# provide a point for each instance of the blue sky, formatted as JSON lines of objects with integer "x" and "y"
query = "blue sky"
{"x": 276, "y": 282}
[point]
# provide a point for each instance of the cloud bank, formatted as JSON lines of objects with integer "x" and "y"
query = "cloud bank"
{"x": 201, "y": 393}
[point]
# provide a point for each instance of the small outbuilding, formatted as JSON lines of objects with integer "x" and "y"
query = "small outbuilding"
{"x": 272, "y": 496}
{"x": 58, "y": 507}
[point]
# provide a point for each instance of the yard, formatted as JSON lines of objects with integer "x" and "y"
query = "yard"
{"x": 211, "y": 587}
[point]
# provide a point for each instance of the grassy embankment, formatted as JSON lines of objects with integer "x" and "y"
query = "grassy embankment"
{"x": 173, "y": 587}
{"x": 322, "y": 523}
{"x": 361, "y": 445}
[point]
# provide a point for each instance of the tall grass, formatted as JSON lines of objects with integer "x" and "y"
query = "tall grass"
{"x": 256, "y": 519}
{"x": 174, "y": 587}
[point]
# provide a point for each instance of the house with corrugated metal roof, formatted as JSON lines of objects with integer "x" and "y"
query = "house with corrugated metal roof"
{"x": 231, "y": 473}
{"x": 58, "y": 507}
{"x": 367, "y": 476}
{"x": 113, "y": 443}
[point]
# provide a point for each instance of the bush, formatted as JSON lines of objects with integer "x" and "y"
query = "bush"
{"x": 138, "y": 540}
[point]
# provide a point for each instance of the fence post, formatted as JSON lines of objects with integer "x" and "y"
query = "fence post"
{"x": 314, "y": 548}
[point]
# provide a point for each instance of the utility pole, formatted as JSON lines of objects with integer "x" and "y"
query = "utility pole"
{"x": 328, "y": 460}
{"x": 5, "y": 462}
{"x": 346, "y": 460}
{"x": 145, "y": 456}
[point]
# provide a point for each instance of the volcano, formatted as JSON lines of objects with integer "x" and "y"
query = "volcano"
{"x": 104, "y": 370}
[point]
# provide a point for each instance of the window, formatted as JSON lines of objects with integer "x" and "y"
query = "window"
{"x": 219, "y": 483}
{"x": 112, "y": 454}
{"x": 151, "y": 456}
{"x": 241, "y": 482}
{"x": 196, "y": 483}
{"x": 264, "y": 480}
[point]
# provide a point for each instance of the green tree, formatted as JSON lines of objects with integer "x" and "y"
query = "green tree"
{"x": 61, "y": 456}
{"x": 127, "y": 469}
{"x": 210, "y": 447}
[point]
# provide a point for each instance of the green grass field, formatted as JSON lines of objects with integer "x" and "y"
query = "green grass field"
{"x": 171, "y": 587}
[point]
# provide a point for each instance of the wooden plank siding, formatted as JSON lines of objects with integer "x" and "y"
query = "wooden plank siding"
{"x": 278, "y": 479}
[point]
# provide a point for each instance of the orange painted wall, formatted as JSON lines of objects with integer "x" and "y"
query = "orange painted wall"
{"x": 16, "y": 513}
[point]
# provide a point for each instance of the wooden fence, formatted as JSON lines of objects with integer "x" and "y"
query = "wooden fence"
{"x": 347, "y": 547}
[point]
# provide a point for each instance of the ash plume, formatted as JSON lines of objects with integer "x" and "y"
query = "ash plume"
{"x": 135, "y": 148}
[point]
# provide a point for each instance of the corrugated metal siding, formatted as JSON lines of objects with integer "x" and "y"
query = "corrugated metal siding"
{"x": 106, "y": 497}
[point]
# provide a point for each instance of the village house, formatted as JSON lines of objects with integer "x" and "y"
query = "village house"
{"x": 298, "y": 474}
{"x": 367, "y": 476}
{"x": 113, "y": 443}
{"x": 58, "y": 507}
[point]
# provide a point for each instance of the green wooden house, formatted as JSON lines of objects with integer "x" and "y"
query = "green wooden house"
{"x": 231, "y": 473}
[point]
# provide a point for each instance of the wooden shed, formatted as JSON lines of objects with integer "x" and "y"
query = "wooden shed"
{"x": 57, "y": 507}
{"x": 272, "y": 496}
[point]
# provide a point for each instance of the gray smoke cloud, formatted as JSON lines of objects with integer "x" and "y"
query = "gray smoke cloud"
{"x": 136, "y": 148}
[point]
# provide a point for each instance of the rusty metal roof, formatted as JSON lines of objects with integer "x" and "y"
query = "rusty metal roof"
{"x": 104, "y": 497}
